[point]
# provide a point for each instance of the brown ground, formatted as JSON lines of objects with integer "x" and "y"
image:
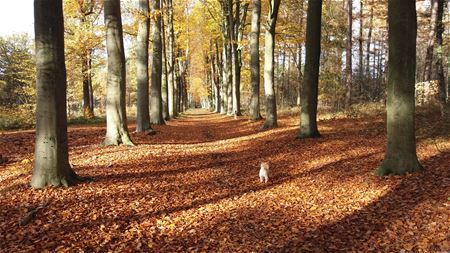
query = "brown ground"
{"x": 194, "y": 187}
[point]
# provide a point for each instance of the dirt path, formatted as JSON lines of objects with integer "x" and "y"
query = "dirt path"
{"x": 194, "y": 187}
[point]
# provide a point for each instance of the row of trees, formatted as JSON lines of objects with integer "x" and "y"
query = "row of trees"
{"x": 353, "y": 58}
{"x": 170, "y": 63}
{"x": 51, "y": 156}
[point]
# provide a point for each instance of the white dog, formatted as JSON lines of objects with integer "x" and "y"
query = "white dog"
{"x": 264, "y": 172}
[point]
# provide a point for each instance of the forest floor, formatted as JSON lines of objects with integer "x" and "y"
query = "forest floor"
{"x": 194, "y": 186}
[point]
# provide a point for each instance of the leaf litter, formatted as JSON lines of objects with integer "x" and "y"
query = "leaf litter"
{"x": 194, "y": 186}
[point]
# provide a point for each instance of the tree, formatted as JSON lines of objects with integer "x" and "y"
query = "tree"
{"x": 116, "y": 118}
{"x": 255, "y": 113}
{"x": 165, "y": 74}
{"x": 17, "y": 73}
{"x": 237, "y": 22}
{"x": 51, "y": 162}
{"x": 143, "y": 116}
{"x": 310, "y": 88}
{"x": 431, "y": 39}
{"x": 269, "y": 86}
{"x": 348, "y": 80}
{"x": 156, "y": 115}
{"x": 81, "y": 39}
{"x": 400, "y": 156}
{"x": 171, "y": 61}
{"x": 440, "y": 59}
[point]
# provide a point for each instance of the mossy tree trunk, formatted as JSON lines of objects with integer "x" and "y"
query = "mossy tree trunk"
{"x": 310, "y": 87}
{"x": 269, "y": 50}
{"x": 400, "y": 156}
{"x": 143, "y": 114}
{"x": 116, "y": 118}
{"x": 51, "y": 161}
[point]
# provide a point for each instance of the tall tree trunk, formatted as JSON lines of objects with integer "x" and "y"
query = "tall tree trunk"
{"x": 431, "y": 39}
{"x": 171, "y": 61}
{"x": 86, "y": 9}
{"x": 310, "y": 89}
{"x": 300, "y": 74}
{"x": 156, "y": 114}
{"x": 227, "y": 24}
{"x": 164, "y": 78}
{"x": 236, "y": 81}
{"x": 143, "y": 114}
{"x": 176, "y": 89}
{"x": 216, "y": 72}
{"x": 369, "y": 40}
{"x": 348, "y": 63}
{"x": 225, "y": 83}
{"x": 116, "y": 117}
{"x": 300, "y": 52}
{"x": 440, "y": 59}
{"x": 255, "y": 113}
{"x": 51, "y": 161}
{"x": 400, "y": 156}
{"x": 269, "y": 48}
{"x": 361, "y": 50}
{"x": 88, "y": 111}
{"x": 91, "y": 90}
{"x": 229, "y": 67}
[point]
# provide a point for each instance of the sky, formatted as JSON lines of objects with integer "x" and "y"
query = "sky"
{"x": 16, "y": 16}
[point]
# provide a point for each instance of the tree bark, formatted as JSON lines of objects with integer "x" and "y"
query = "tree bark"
{"x": 229, "y": 72}
{"x": 236, "y": 81}
{"x": 215, "y": 65}
{"x": 143, "y": 114}
{"x": 300, "y": 52}
{"x": 361, "y": 50}
{"x": 369, "y": 40}
{"x": 170, "y": 61}
{"x": 88, "y": 110}
{"x": 165, "y": 73}
{"x": 440, "y": 59}
{"x": 348, "y": 63}
{"x": 156, "y": 114}
{"x": 400, "y": 156}
{"x": 308, "y": 116}
{"x": 255, "y": 113}
{"x": 226, "y": 82}
{"x": 428, "y": 69}
{"x": 269, "y": 85}
{"x": 116, "y": 118}
{"x": 51, "y": 161}
{"x": 86, "y": 9}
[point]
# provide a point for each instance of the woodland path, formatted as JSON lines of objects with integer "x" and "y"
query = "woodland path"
{"x": 194, "y": 187}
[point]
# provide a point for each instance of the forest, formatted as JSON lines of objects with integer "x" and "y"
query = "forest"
{"x": 226, "y": 126}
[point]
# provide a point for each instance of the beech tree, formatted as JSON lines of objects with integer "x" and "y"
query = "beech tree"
{"x": 116, "y": 118}
{"x": 310, "y": 88}
{"x": 348, "y": 64}
{"x": 431, "y": 39}
{"x": 400, "y": 156}
{"x": 171, "y": 61}
{"x": 269, "y": 48}
{"x": 440, "y": 59}
{"x": 255, "y": 113}
{"x": 143, "y": 114}
{"x": 51, "y": 161}
{"x": 156, "y": 114}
